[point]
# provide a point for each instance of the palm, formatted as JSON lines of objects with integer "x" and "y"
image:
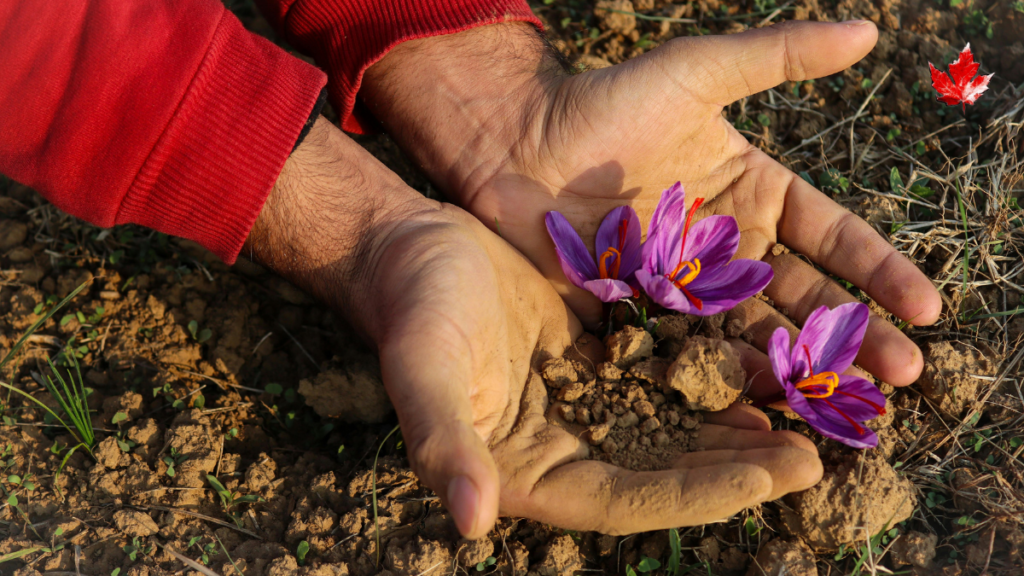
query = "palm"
{"x": 465, "y": 304}
{"x": 625, "y": 133}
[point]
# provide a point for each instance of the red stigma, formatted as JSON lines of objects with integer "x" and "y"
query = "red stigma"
{"x": 856, "y": 426}
{"x": 879, "y": 409}
{"x": 686, "y": 228}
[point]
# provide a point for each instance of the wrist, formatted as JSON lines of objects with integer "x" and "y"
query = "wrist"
{"x": 329, "y": 216}
{"x": 458, "y": 103}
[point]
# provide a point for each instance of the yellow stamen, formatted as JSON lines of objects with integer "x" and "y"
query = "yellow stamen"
{"x": 693, "y": 270}
{"x": 830, "y": 380}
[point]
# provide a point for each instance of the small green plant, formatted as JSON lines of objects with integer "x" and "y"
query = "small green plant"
{"x": 135, "y": 548}
{"x": 490, "y": 561}
{"x": 197, "y": 334}
{"x": 832, "y": 179}
{"x": 675, "y": 555}
{"x": 751, "y": 527}
{"x": 25, "y": 482}
{"x": 301, "y": 551}
{"x": 976, "y": 23}
{"x": 229, "y": 500}
{"x": 204, "y": 551}
{"x": 172, "y": 460}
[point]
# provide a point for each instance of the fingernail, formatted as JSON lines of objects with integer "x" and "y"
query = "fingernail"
{"x": 858, "y": 22}
{"x": 463, "y": 503}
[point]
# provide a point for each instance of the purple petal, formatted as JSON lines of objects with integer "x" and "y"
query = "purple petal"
{"x": 832, "y": 425}
{"x": 858, "y": 398}
{"x": 850, "y": 321}
{"x": 664, "y": 292}
{"x": 827, "y": 422}
{"x": 778, "y": 353}
{"x": 833, "y": 337}
{"x": 667, "y": 224}
{"x": 608, "y": 237}
{"x": 577, "y": 263}
{"x": 713, "y": 240}
{"x": 722, "y": 288}
{"x": 609, "y": 290}
{"x": 813, "y": 335}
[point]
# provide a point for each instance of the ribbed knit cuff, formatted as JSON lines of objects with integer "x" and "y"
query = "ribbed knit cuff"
{"x": 213, "y": 168}
{"x": 348, "y": 36}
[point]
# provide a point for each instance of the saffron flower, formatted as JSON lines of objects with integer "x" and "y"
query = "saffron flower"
{"x": 618, "y": 248}
{"x": 687, "y": 268}
{"x": 834, "y": 404}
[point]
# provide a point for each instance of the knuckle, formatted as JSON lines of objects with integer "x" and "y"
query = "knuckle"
{"x": 795, "y": 69}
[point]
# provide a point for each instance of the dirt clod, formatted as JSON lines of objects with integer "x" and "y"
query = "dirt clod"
{"x": 855, "y": 498}
{"x": 628, "y": 346}
{"x": 615, "y": 21}
{"x": 353, "y": 394}
{"x": 135, "y": 523}
{"x": 790, "y": 557}
{"x": 708, "y": 374}
{"x": 948, "y": 375}
{"x": 473, "y": 552}
{"x": 561, "y": 556}
{"x": 915, "y": 548}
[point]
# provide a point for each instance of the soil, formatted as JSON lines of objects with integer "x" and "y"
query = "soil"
{"x": 196, "y": 369}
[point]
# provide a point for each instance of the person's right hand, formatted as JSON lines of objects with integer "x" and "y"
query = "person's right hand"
{"x": 461, "y": 321}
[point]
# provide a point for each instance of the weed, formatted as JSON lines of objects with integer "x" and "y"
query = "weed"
{"x": 172, "y": 460}
{"x": 487, "y": 563}
{"x": 197, "y": 334}
{"x": 135, "y": 548}
{"x": 301, "y": 551}
{"x": 229, "y": 500}
{"x": 204, "y": 551}
{"x": 376, "y": 520}
{"x": 675, "y": 554}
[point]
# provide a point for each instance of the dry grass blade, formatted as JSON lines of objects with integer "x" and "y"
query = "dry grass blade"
{"x": 189, "y": 562}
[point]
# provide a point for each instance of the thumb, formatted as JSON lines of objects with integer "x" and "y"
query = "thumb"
{"x": 734, "y": 66}
{"x": 428, "y": 383}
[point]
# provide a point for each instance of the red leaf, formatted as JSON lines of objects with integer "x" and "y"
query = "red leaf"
{"x": 964, "y": 88}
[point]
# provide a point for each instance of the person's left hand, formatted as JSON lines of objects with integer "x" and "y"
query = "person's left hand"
{"x": 494, "y": 124}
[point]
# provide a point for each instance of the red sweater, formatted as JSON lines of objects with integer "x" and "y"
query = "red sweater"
{"x": 169, "y": 114}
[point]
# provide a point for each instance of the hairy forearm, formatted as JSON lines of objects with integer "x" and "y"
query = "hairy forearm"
{"x": 331, "y": 209}
{"x": 457, "y": 103}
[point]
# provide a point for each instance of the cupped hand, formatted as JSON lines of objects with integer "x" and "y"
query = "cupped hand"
{"x": 461, "y": 321}
{"x": 464, "y": 322}
{"x": 586, "y": 143}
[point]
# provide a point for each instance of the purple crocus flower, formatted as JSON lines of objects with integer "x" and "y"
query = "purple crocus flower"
{"x": 618, "y": 248}
{"x": 832, "y": 403}
{"x": 687, "y": 269}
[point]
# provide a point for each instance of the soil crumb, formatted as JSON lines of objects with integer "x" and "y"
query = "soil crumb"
{"x": 642, "y": 411}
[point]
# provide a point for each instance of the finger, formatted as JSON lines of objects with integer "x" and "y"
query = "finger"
{"x": 758, "y": 367}
{"x": 848, "y": 247}
{"x": 715, "y": 437}
{"x": 791, "y": 469}
{"x": 886, "y": 351}
{"x": 435, "y": 413}
{"x": 740, "y": 415}
{"x": 738, "y": 65}
{"x": 591, "y": 495}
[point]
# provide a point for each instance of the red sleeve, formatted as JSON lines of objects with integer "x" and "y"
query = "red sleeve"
{"x": 348, "y": 36}
{"x": 165, "y": 113}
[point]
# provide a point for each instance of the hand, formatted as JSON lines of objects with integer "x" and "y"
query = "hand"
{"x": 494, "y": 123}
{"x": 461, "y": 320}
